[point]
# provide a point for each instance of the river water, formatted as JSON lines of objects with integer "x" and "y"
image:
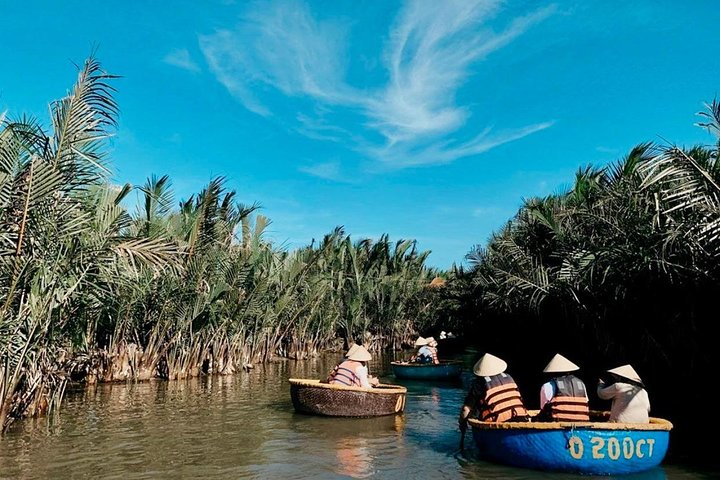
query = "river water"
{"x": 244, "y": 426}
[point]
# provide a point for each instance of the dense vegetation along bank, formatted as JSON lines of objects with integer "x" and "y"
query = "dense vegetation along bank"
{"x": 624, "y": 267}
{"x": 621, "y": 268}
{"x": 92, "y": 291}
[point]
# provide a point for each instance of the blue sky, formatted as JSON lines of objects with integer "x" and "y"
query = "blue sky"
{"x": 424, "y": 120}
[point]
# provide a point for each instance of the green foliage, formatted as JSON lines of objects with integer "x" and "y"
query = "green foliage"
{"x": 91, "y": 292}
{"x": 621, "y": 268}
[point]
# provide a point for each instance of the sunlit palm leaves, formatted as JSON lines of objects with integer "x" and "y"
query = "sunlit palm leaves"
{"x": 176, "y": 290}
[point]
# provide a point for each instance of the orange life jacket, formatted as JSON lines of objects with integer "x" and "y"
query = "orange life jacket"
{"x": 433, "y": 350}
{"x": 502, "y": 400}
{"x": 344, "y": 374}
{"x": 570, "y": 402}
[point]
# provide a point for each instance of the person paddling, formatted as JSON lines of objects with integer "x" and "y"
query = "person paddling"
{"x": 494, "y": 396}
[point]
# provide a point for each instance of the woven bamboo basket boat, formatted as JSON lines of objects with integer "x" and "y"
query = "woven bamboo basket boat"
{"x": 311, "y": 396}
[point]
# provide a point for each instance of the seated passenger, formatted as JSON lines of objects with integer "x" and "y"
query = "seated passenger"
{"x": 424, "y": 353}
{"x": 630, "y": 402}
{"x": 432, "y": 347}
{"x": 563, "y": 397}
{"x": 494, "y": 396}
{"x": 353, "y": 372}
{"x": 337, "y": 365}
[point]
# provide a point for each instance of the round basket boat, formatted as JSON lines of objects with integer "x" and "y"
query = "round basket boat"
{"x": 311, "y": 396}
{"x": 587, "y": 448}
{"x": 445, "y": 370}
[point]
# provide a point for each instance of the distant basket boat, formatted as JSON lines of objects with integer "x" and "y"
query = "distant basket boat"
{"x": 311, "y": 396}
{"x": 587, "y": 448}
{"x": 445, "y": 370}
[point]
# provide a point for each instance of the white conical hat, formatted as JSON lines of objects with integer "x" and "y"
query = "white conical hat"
{"x": 352, "y": 348}
{"x": 360, "y": 354}
{"x": 421, "y": 341}
{"x": 560, "y": 364}
{"x": 431, "y": 340}
{"x": 489, "y": 365}
{"x": 626, "y": 371}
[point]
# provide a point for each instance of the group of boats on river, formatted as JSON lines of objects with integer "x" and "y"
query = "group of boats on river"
{"x": 596, "y": 445}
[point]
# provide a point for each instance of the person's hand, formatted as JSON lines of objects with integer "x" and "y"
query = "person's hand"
{"x": 374, "y": 381}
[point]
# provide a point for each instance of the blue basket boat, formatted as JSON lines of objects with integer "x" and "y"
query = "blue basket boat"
{"x": 445, "y": 370}
{"x": 587, "y": 448}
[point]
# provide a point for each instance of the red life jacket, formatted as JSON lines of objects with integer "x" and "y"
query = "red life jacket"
{"x": 570, "y": 402}
{"x": 344, "y": 374}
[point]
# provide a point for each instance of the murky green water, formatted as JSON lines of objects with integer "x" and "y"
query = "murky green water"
{"x": 245, "y": 427}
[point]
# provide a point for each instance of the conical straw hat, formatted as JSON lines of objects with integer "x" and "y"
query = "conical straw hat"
{"x": 626, "y": 371}
{"x": 431, "y": 341}
{"x": 489, "y": 365}
{"x": 560, "y": 364}
{"x": 352, "y": 348}
{"x": 421, "y": 341}
{"x": 360, "y": 354}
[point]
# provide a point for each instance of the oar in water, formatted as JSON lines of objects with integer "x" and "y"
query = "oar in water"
{"x": 463, "y": 429}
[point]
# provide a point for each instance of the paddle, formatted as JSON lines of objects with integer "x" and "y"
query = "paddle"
{"x": 463, "y": 429}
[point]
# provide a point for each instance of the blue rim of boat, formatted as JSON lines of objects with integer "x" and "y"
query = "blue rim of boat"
{"x": 445, "y": 370}
{"x": 596, "y": 447}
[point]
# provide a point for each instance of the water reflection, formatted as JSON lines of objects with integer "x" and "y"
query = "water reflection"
{"x": 244, "y": 427}
{"x": 354, "y": 458}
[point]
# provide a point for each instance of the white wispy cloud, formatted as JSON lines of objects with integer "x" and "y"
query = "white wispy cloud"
{"x": 414, "y": 117}
{"x": 442, "y": 151}
{"x": 327, "y": 170}
{"x": 181, "y": 59}
{"x": 432, "y": 48}
{"x": 318, "y": 128}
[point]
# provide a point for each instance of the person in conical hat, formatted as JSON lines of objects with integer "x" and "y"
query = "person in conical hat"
{"x": 353, "y": 371}
{"x": 359, "y": 354}
{"x": 489, "y": 365}
{"x": 627, "y": 373}
{"x": 424, "y": 353}
{"x": 630, "y": 401}
{"x": 432, "y": 347}
{"x": 494, "y": 396}
{"x": 352, "y": 348}
{"x": 563, "y": 397}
